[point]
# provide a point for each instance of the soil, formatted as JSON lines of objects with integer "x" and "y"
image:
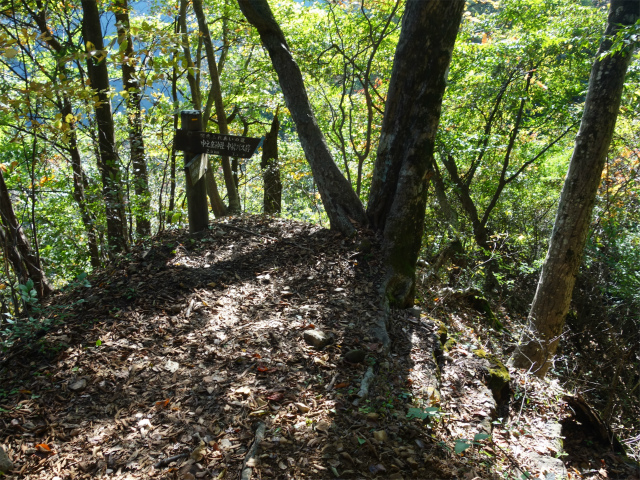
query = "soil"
{"x": 186, "y": 358}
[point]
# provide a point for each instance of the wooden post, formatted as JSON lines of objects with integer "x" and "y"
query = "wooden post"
{"x": 196, "y": 191}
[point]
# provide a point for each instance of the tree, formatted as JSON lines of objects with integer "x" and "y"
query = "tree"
{"x": 271, "y": 170}
{"x": 404, "y": 161}
{"x": 557, "y": 278}
{"x": 341, "y": 203}
{"x": 108, "y": 161}
{"x": 17, "y": 248}
{"x": 405, "y": 152}
{"x": 133, "y": 94}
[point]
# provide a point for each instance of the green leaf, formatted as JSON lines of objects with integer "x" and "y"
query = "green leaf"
{"x": 361, "y": 440}
{"x": 480, "y": 436}
{"x": 461, "y": 445}
{"x": 98, "y": 343}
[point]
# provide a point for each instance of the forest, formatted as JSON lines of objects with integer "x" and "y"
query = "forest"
{"x": 482, "y": 154}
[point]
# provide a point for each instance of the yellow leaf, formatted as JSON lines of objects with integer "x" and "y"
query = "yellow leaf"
{"x": 90, "y": 46}
{"x": 69, "y": 118}
{"x": 10, "y": 52}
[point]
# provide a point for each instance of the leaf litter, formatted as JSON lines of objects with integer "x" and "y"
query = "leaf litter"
{"x": 187, "y": 358}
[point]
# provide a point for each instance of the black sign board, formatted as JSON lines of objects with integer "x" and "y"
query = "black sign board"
{"x": 215, "y": 144}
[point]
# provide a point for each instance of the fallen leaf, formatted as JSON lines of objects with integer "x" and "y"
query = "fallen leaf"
{"x": 163, "y": 403}
{"x": 342, "y": 385}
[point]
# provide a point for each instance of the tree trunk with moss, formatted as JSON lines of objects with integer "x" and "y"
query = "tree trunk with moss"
{"x": 271, "y": 170}
{"x": 553, "y": 295}
{"x": 404, "y": 162}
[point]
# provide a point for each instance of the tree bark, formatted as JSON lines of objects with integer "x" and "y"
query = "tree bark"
{"x": 109, "y": 165}
{"x": 341, "y": 203}
{"x": 404, "y": 163}
{"x": 553, "y": 295}
{"x": 134, "y": 120}
{"x": 16, "y": 246}
{"x": 271, "y": 170}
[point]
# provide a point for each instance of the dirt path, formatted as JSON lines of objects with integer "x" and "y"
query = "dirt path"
{"x": 188, "y": 359}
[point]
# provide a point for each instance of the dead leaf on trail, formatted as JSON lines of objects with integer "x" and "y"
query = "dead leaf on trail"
{"x": 172, "y": 366}
{"x": 342, "y": 385}
{"x": 163, "y": 403}
{"x": 276, "y": 397}
{"x": 44, "y": 448}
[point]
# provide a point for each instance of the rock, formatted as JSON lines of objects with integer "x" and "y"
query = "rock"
{"x": 78, "y": 385}
{"x": 6, "y": 465}
{"x": 498, "y": 376}
{"x": 415, "y": 311}
{"x": 355, "y": 356}
{"x": 317, "y": 339}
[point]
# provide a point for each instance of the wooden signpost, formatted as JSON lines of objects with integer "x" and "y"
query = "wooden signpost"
{"x": 196, "y": 145}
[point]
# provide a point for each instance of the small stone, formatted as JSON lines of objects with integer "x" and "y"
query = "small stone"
{"x": 6, "y": 465}
{"x": 78, "y": 385}
{"x": 415, "y": 311}
{"x": 381, "y": 435}
{"x": 355, "y": 356}
{"x": 317, "y": 339}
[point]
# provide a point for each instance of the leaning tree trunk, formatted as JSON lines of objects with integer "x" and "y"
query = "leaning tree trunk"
{"x": 217, "y": 205}
{"x": 216, "y": 91}
{"x": 109, "y": 165}
{"x": 16, "y": 246}
{"x": 134, "y": 120}
{"x": 340, "y": 201}
{"x": 404, "y": 163}
{"x": 553, "y": 295}
{"x": 271, "y": 170}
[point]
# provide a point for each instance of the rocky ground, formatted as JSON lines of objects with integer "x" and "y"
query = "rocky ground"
{"x": 247, "y": 352}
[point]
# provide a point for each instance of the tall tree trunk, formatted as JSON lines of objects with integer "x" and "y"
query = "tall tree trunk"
{"x": 134, "y": 120}
{"x": 109, "y": 164}
{"x": 404, "y": 163}
{"x": 553, "y": 295}
{"x": 216, "y": 91}
{"x": 271, "y": 170}
{"x": 16, "y": 246}
{"x": 341, "y": 203}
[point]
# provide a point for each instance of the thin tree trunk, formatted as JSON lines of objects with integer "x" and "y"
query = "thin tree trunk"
{"x": 109, "y": 164}
{"x": 271, "y": 170}
{"x": 79, "y": 181}
{"x": 16, "y": 246}
{"x": 134, "y": 120}
{"x": 553, "y": 295}
{"x": 217, "y": 205}
{"x": 221, "y": 116}
{"x": 341, "y": 203}
{"x": 404, "y": 163}
{"x": 79, "y": 178}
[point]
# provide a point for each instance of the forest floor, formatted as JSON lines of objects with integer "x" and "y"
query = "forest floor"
{"x": 246, "y": 352}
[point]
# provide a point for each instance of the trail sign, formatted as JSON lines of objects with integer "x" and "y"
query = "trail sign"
{"x": 215, "y": 144}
